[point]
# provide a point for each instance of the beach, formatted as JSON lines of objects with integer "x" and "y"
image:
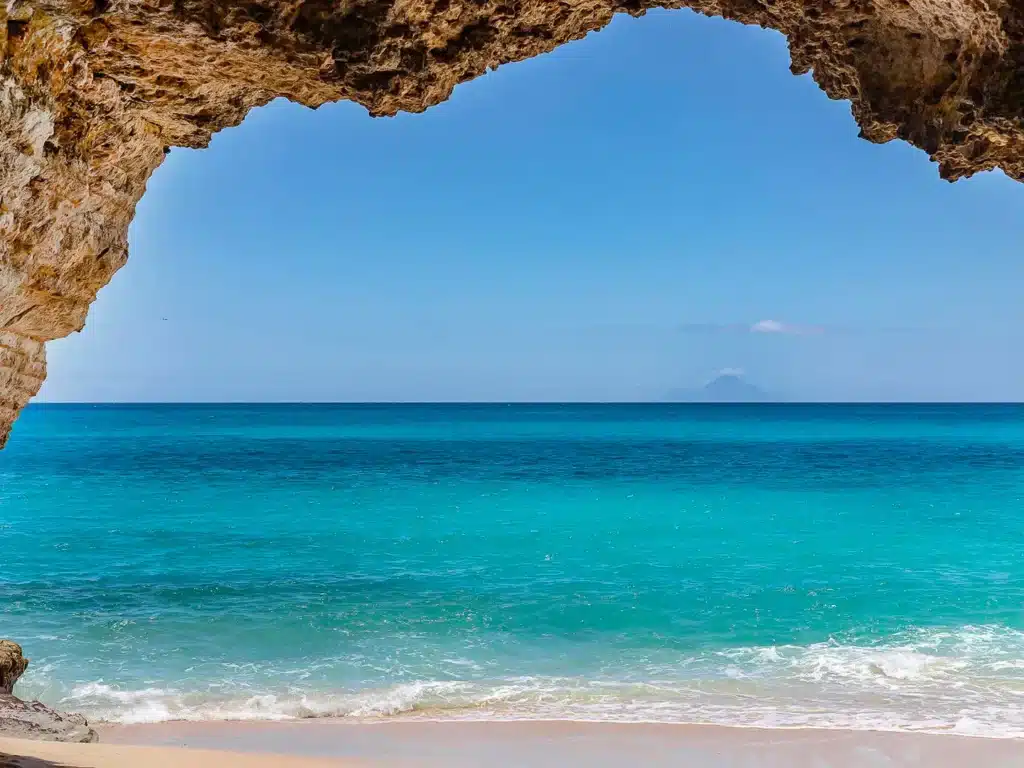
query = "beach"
{"x": 18, "y": 753}
{"x": 309, "y": 745}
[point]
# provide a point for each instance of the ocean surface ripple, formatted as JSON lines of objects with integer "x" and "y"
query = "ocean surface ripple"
{"x": 849, "y": 566}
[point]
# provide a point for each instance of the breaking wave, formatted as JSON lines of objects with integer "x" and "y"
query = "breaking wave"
{"x": 968, "y": 680}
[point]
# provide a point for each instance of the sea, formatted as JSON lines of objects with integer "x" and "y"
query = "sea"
{"x": 830, "y": 566}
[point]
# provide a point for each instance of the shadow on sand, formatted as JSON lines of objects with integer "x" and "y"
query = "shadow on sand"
{"x": 14, "y": 761}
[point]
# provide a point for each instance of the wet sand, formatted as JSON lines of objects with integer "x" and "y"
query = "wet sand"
{"x": 548, "y": 744}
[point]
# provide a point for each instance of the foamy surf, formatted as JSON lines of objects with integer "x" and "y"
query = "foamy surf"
{"x": 967, "y": 680}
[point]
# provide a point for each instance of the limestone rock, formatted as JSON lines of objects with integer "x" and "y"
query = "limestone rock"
{"x": 12, "y": 665}
{"x": 30, "y": 719}
{"x": 94, "y": 92}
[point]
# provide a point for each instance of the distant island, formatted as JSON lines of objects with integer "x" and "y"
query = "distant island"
{"x": 724, "y": 388}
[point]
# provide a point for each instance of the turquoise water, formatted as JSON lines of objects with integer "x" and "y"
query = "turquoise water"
{"x": 843, "y": 566}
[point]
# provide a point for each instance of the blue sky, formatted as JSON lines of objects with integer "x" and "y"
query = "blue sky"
{"x": 608, "y": 222}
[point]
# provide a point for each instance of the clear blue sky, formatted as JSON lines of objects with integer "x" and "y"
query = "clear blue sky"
{"x": 608, "y": 222}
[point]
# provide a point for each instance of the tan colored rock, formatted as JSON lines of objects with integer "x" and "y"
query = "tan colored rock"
{"x": 12, "y": 665}
{"x": 36, "y": 721}
{"x": 93, "y": 93}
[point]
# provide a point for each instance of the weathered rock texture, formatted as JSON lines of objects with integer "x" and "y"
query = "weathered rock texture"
{"x": 12, "y": 666}
{"x": 94, "y": 92}
{"x": 30, "y": 719}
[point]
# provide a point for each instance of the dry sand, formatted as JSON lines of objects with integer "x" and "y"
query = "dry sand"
{"x": 322, "y": 743}
{"x": 18, "y": 753}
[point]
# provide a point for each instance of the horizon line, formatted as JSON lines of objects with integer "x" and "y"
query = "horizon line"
{"x": 523, "y": 402}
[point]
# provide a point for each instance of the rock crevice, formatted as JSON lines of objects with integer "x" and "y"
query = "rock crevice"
{"x": 94, "y": 92}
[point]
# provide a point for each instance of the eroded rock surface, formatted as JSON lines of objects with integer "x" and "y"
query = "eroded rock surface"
{"x": 12, "y": 666}
{"x": 94, "y": 92}
{"x": 30, "y": 719}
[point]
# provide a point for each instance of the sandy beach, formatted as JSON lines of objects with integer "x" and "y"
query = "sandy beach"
{"x": 323, "y": 743}
{"x": 19, "y": 753}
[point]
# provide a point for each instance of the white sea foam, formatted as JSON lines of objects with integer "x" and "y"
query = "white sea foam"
{"x": 968, "y": 680}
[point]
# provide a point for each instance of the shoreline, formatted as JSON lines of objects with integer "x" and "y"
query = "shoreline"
{"x": 111, "y": 726}
{"x": 559, "y": 742}
{"x": 323, "y": 742}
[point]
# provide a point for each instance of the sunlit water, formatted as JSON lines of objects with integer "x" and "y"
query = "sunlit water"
{"x": 854, "y": 566}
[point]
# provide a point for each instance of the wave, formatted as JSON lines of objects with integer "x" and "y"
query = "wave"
{"x": 968, "y": 680}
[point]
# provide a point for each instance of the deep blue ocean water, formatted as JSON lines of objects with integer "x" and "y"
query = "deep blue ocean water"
{"x": 856, "y": 566}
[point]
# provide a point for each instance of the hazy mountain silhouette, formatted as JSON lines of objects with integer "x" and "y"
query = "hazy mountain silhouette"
{"x": 725, "y": 388}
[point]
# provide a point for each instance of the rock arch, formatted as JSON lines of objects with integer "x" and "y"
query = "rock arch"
{"x": 93, "y": 93}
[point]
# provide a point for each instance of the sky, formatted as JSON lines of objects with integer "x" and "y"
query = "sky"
{"x": 617, "y": 220}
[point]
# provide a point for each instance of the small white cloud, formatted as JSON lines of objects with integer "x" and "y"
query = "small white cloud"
{"x": 731, "y": 372}
{"x": 761, "y": 326}
{"x": 768, "y": 326}
{"x": 774, "y": 326}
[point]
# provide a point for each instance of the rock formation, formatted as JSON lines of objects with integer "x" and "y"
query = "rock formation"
{"x": 12, "y": 666}
{"x": 93, "y": 93}
{"x": 30, "y": 719}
